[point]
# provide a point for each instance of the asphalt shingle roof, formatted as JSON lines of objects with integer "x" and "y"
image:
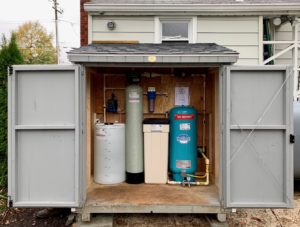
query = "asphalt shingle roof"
{"x": 204, "y": 2}
{"x": 155, "y": 49}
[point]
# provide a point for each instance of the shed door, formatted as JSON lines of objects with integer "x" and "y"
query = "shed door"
{"x": 257, "y": 153}
{"x": 45, "y": 136}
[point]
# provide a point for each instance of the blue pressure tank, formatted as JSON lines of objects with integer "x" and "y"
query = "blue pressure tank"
{"x": 183, "y": 141}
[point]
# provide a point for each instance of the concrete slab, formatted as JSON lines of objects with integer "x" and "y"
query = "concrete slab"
{"x": 214, "y": 222}
{"x": 100, "y": 220}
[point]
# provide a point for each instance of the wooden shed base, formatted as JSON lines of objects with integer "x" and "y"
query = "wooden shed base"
{"x": 147, "y": 198}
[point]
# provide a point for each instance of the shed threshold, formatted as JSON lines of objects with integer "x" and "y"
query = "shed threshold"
{"x": 147, "y": 198}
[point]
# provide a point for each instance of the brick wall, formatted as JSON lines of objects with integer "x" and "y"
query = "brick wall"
{"x": 83, "y": 24}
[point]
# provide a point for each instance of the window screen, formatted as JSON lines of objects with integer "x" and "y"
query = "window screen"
{"x": 178, "y": 30}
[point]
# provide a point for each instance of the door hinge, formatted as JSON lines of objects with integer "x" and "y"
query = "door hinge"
{"x": 292, "y": 138}
{"x": 81, "y": 71}
{"x": 10, "y": 70}
{"x": 10, "y": 202}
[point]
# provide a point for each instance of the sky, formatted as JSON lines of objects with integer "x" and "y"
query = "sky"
{"x": 14, "y": 13}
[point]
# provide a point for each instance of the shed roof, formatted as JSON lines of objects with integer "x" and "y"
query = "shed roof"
{"x": 162, "y": 53}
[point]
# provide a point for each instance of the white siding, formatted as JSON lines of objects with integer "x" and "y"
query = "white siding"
{"x": 284, "y": 33}
{"x": 238, "y": 33}
{"x": 127, "y": 28}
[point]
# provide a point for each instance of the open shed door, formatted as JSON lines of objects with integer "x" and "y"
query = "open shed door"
{"x": 46, "y": 138}
{"x": 257, "y": 151}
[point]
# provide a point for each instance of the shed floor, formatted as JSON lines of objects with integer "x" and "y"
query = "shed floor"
{"x": 147, "y": 198}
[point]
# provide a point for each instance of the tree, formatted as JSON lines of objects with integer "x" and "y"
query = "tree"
{"x": 35, "y": 44}
{"x": 9, "y": 55}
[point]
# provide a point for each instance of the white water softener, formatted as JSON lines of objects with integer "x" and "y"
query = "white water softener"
{"x": 109, "y": 157}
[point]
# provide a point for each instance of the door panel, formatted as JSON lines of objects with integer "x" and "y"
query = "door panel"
{"x": 246, "y": 109}
{"x": 45, "y": 127}
{"x": 258, "y": 169}
{"x": 45, "y": 168}
{"x": 46, "y": 99}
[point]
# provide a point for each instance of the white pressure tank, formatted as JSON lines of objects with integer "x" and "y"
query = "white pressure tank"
{"x": 109, "y": 155}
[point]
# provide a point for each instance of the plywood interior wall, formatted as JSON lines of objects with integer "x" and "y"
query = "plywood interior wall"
{"x": 201, "y": 83}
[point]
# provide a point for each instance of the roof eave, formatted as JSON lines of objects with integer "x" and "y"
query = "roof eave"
{"x": 159, "y": 59}
{"x": 207, "y": 9}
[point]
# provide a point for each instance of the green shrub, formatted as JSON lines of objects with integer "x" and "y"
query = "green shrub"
{"x": 9, "y": 55}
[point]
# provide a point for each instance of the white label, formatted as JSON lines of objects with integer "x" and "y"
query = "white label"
{"x": 100, "y": 132}
{"x": 183, "y": 164}
{"x": 156, "y": 128}
{"x": 182, "y": 96}
{"x": 185, "y": 126}
{"x": 134, "y": 97}
{"x": 134, "y": 101}
{"x": 183, "y": 138}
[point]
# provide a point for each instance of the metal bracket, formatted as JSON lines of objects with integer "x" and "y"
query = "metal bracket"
{"x": 82, "y": 71}
{"x": 10, "y": 70}
{"x": 10, "y": 202}
{"x": 292, "y": 138}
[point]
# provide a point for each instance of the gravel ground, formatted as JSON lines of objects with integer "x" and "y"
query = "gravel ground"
{"x": 268, "y": 217}
{"x": 151, "y": 220}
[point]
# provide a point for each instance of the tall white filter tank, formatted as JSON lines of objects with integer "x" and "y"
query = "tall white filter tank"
{"x": 109, "y": 155}
{"x": 134, "y": 135}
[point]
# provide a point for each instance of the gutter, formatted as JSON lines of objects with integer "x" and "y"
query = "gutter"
{"x": 200, "y": 9}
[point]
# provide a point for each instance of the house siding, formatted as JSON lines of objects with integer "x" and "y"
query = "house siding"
{"x": 238, "y": 33}
{"x": 284, "y": 33}
{"x": 139, "y": 29}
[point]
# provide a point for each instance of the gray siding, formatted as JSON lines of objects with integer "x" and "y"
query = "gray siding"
{"x": 238, "y": 33}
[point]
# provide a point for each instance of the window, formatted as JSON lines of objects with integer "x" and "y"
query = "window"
{"x": 179, "y": 29}
{"x": 175, "y": 31}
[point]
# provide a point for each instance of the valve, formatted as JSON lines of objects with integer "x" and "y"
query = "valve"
{"x": 151, "y": 98}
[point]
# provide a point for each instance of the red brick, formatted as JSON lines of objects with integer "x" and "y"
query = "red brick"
{"x": 83, "y": 24}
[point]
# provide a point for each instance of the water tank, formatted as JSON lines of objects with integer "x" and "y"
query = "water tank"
{"x": 183, "y": 141}
{"x": 297, "y": 140}
{"x": 109, "y": 155}
{"x": 134, "y": 135}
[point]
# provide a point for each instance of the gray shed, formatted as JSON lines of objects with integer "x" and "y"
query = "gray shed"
{"x": 52, "y": 110}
